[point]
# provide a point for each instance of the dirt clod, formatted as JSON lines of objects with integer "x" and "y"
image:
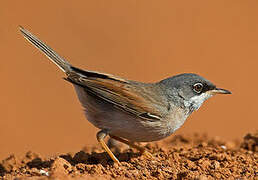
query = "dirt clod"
{"x": 251, "y": 142}
{"x": 179, "y": 157}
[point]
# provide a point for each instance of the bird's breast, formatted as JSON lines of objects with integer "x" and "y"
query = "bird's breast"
{"x": 175, "y": 119}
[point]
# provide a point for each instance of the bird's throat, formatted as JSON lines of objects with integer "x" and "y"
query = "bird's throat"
{"x": 195, "y": 102}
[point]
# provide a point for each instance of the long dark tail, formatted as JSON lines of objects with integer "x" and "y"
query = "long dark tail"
{"x": 73, "y": 73}
{"x": 50, "y": 53}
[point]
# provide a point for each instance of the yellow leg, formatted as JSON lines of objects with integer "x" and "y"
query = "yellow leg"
{"x": 139, "y": 148}
{"x": 100, "y": 137}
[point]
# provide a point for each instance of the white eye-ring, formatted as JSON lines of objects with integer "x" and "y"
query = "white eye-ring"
{"x": 198, "y": 87}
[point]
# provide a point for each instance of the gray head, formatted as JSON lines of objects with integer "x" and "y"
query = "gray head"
{"x": 190, "y": 90}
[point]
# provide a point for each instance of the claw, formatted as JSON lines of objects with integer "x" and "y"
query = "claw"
{"x": 147, "y": 154}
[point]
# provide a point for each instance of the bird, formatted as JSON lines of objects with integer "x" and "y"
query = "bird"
{"x": 131, "y": 111}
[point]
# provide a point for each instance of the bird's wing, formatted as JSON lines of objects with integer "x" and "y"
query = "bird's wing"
{"x": 134, "y": 98}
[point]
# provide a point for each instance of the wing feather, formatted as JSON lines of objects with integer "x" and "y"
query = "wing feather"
{"x": 132, "y": 97}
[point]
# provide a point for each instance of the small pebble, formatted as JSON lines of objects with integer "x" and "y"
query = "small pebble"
{"x": 43, "y": 172}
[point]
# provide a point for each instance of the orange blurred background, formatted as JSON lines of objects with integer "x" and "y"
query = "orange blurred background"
{"x": 143, "y": 40}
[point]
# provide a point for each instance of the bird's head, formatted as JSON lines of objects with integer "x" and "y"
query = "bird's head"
{"x": 190, "y": 90}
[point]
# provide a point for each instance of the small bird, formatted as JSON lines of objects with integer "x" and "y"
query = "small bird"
{"x": 130, "y": 111}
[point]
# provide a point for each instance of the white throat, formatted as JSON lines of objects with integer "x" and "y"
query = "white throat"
{"x": 195, "y": 102}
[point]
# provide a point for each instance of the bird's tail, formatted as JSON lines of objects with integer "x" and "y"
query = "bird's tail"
{"x": 50, "y": 53}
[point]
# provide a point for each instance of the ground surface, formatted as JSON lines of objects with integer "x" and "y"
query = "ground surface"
{"x": 179, "y": 157}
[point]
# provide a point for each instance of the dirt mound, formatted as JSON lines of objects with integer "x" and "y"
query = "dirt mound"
{"x": 179, "y": 157}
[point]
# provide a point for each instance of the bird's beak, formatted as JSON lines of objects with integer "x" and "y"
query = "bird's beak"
{"x": 220, "y": 91}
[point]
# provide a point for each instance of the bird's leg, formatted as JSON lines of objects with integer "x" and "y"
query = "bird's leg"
{"x": 100, "y": 137}
{"x": 131, "y": 144}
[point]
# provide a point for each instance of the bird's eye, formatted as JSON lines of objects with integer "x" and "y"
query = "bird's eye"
{"x": 198, "y": 87}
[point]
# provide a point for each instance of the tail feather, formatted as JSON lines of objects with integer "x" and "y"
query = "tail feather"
{"x": 50, "y": 53}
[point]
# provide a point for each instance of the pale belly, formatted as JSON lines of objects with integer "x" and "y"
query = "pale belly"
{"x": 103, "y": 115}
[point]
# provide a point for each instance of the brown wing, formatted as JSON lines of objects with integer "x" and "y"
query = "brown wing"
{"x": 132, "y": 97}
